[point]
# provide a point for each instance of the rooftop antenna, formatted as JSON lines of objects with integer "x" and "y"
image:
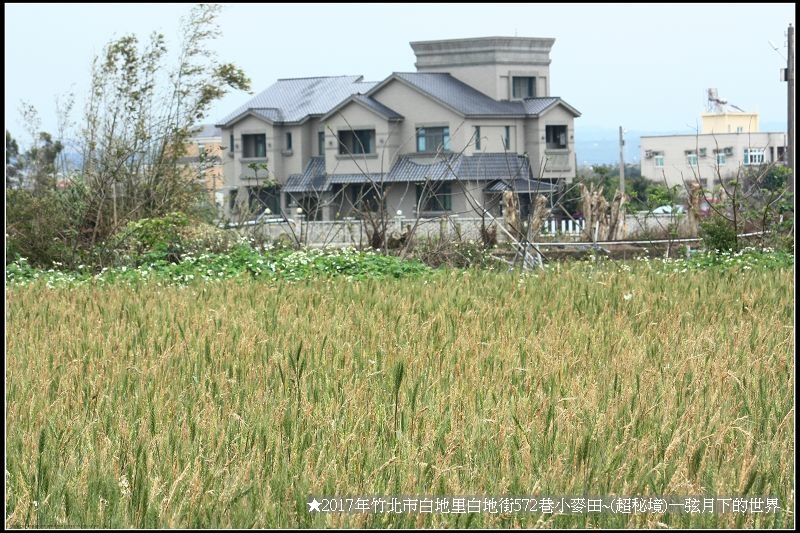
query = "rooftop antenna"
{"x": 717, "y": 104}
{"x": 777, "y": 50}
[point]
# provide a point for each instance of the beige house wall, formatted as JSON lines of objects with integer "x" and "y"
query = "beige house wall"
{"x": 488, "y": 63}
{"x": 492, "y": 134}
{"x": 235, "y": 166}
{"x": 419, "y": 111}
{"x": 287, "y": 161}
{"x": 550, "y": 162}
{"x": 354, "y": 116}
{"x": 495, "y": 80}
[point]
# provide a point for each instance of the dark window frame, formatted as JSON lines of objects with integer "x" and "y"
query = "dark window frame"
{"x": 435, "y": 197}
{"x": 430, "y": 135}
{"x": 356, "y": 142}
{"x": 529, "y": 87}
{"x": 250, "y": 149}
{"x": 553, "y": 134}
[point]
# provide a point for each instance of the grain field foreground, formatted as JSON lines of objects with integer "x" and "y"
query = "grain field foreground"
{"x": 229, "y": 404}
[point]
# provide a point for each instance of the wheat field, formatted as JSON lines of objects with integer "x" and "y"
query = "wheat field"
{"x": 231, "y": 404}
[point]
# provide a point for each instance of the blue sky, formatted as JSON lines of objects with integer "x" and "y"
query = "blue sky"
{"x": 644, "y": 67}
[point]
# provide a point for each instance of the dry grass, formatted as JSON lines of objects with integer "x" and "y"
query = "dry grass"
{"x": 228, "y": 405}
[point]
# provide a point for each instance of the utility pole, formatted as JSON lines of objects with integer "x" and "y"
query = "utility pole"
{"x": 622, "y": 163}
{"x": 790, "y": 103}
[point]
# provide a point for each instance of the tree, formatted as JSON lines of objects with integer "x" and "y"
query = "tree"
{"x": 41, "y": 162}
{"x": 139, "y": 114}
{"x": 137, "y": 123}
{"x": 14, "y": 164}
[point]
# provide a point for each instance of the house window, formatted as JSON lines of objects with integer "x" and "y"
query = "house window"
{"x": 368, "y": 197}
{"x": 507, "y": 138}
{"x": 230, "y": 146}
{"x": 434, "y": 197}
{"x": 556, "y": 137}
{"x": 721, "y": 159}
{"x": 477, "y": 137}
{"x": 263, "y": 198}
{"x": 659, "y": 159}
{"x": 433, "y": 139}
{"x": 321, "y": 142}
{"x": 254, "y": 145}
{"x": 356, "y": 142}
{"x": 691, "y": 158}
{"x": 288, "y": 141}
{"x": 739, "y": 129}
{"x": 753, "y": 156}
{"x": 523, "y": 87}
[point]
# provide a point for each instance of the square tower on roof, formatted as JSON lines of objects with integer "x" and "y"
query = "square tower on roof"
{"x": 504, "y": 68}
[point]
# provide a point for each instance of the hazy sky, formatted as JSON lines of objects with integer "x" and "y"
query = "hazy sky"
{"x": 644, "y": 67}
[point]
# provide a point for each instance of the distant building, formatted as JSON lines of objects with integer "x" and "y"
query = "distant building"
{"x": 476, "y": 119}
{"x": 729, "y": 143}
{"x": 729, "y": 122}
{"x": 204, "y": 151}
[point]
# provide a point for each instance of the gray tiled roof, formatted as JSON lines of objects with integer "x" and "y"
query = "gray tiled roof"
{"x": 407, "y": 170}
{"x": 534, "y": 106}
{"x": 292, "y": 100}
{"x": 270, "y": 113}
{"x": 494, "y": 166}
{"x": 355, "y": 178}
{"x": 313, "y": 178}
{"x": 204, "y": 131}
{"x": 378, "y": 107}
{"x": 315, "y": 166}
{"x": 524, "y": 186}
{"x": 458, "y": 95}
{"x": 300, "y": 183}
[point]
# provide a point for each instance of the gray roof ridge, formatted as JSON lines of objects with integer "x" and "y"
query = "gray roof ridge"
{"x": 358, "y": 77}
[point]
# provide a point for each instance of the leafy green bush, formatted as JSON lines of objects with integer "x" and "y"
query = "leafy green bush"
{"x": 41, "y": 227}
{"x": 152, "y": 239}
{"x": 718, "y": 234}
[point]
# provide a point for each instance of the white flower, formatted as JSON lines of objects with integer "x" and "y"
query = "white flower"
{"x": 124, "y": 486}
{"x": 627, "y": 296}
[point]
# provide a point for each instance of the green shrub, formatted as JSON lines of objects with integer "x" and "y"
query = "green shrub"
{"x": 152, "y": 239}
{"x": 718, "y": 234}
{"x": 41, "y": 227}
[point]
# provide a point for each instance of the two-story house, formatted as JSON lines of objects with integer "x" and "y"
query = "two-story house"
{"x": 476, "y": 119}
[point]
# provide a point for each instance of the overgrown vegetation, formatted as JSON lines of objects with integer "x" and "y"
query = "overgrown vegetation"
{"x": 139, "y": 114}
{"x": 241, "y": 262}
{"x": 229, "y": 404}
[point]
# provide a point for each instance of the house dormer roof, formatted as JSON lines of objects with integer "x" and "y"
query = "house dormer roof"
{"x": 294, "y": 100}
